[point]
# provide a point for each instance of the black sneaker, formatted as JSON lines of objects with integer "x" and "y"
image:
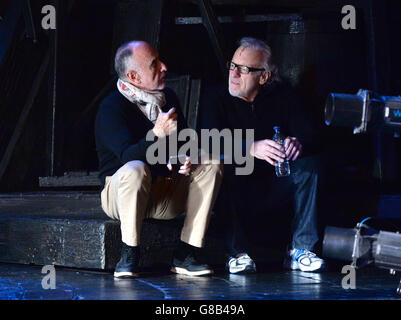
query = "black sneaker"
{"x": 189, "y": 266}
{"x": 127, "y": 267}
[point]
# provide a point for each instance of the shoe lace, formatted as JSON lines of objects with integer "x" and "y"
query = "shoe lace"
{"x": 238, "y": 258}
{"x": 301, "y": 252}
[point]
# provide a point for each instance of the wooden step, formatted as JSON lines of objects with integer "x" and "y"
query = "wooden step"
{"x": 70, "y": 229}
{"x": 72, "y": 179}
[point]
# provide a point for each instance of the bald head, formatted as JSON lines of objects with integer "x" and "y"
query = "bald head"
{"x": 138, "y": 62}
{"x": 125, "y": 58}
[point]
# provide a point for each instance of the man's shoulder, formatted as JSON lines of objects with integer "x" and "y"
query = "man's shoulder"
{"x": 282, "y": 88}
{"x": 113, "y": 101}
{"x": 282, "y": 91}
{"x": 113, "y": 98}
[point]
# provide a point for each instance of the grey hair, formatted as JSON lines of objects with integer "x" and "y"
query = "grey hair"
{"x": 123, "y": 60}
{"x": 269, "y": 65}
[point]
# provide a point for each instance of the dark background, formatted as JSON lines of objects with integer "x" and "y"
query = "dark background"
{"x": 312, "y": 50}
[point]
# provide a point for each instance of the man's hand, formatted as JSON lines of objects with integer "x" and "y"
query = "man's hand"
{"x": 268, "y": 150}
{"x": 166, "y": 123}
{"x": 293, "y": 148}
{"x": 185, "y": 169}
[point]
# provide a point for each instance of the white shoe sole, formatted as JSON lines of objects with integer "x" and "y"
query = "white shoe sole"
{"x": 191, "y": 273}
{"x": 296, "y": 266}
{"x": 126, "y": 274}
{"x": 242, "y": 269}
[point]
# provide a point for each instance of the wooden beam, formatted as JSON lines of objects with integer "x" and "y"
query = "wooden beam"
{"x": 29, "y": 23}
{"x": 193, "y": 106}
{"x": 271, "y": 3}
{"x": 246, "y": 18}
{"x": 72, "y": 179}
{"x": 213, "y": 28}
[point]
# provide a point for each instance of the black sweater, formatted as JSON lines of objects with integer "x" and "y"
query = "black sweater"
{"x": 276, "y": 105}
{"x": 120, "y": 133}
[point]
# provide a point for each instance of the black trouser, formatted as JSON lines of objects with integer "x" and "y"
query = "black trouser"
{"x": 244, "y": 198}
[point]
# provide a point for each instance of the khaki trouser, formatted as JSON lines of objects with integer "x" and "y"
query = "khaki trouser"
{"x": 130, "y": 196}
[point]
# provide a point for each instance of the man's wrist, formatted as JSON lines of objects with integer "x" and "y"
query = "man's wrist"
{"x": 252, "y": 149}
{"x": 158, "y": 133}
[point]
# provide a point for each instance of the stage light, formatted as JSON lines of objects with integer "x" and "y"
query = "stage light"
{"x": 363, "y": 245}
{"x": 364, "y": 111}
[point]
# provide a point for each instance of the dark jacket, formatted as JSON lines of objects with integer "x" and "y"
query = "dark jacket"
{"x": 120, "y": 133}
{"x": 276, "y": 105}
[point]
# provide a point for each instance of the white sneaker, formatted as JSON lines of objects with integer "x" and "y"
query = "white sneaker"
{"x": 304, "y": 260}
{"x": 242, "y": 263}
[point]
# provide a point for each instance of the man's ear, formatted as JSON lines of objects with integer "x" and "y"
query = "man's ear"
{"x": 264, "y": 77}
{"x": 134, "y": 77}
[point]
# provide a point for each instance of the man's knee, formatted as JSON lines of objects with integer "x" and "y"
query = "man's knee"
{"x": 134, "y": 172}
{"x": 306, "y": 164}
{"x": 215, "y": 169}
{"x": 305, "y": 172}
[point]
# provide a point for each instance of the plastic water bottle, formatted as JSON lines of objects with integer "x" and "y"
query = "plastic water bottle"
{"x": 282, "y": 168}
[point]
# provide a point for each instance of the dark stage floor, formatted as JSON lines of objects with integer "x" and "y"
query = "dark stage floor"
{"x": 21, "y": 282}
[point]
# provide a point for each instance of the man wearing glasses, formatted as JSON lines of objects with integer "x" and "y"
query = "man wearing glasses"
{"x": 256, "y": 98}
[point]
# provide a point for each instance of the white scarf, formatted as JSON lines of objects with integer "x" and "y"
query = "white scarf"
{"x": 149, "y": 102}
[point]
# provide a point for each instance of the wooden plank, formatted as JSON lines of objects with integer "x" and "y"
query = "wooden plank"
{"x": 52, "y": 93}
{"x": 193, "y": 108}
{"x": 180, "y": 85}
{"x": 61, "y": 228}
{"x": 275, "y": 3}
{"x": 89, "y": 243}
{"x": 41, "y": 241}
{"x": 81, "y": 243}
{"x": 71, "y": 180}
{"x": 29, "y": 23}
{"x": 245, "y": 18}
{"x": 80, "y": 204}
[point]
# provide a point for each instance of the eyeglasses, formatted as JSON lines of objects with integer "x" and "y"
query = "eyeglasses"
{"x": 242, "y": 69}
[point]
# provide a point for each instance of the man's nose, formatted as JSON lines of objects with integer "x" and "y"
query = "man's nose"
{"x": 235, "y": 72}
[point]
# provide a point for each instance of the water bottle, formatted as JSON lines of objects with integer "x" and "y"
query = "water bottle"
{"x": 282, "y": 168}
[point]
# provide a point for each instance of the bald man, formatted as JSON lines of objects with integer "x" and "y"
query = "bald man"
{"x": 134, "y": 189}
